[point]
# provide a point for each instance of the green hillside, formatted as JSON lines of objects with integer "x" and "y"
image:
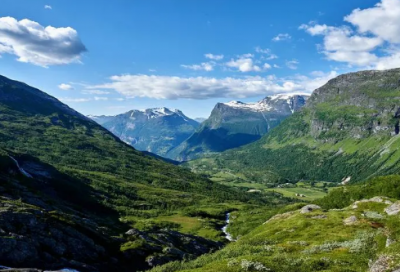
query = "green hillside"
{"x": 359, "y": 235}
{"x": 64, "y": 175}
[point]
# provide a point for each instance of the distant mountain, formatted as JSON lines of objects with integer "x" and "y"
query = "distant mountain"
{"x": 236, "y": 123}
{"x": 155, "y": 130}
{"x": 200, "y": 119}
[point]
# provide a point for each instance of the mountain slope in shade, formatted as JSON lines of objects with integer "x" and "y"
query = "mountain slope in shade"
{"x": 348, "y": 130}
{"x": 153, "y": 130}
{"x": 234, "y": 124}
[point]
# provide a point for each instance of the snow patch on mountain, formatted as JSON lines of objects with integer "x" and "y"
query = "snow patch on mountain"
{"x": 258, "y": 106}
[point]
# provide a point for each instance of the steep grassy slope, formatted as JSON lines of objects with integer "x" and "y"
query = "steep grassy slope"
{"x": 53, "y": 159}
{"x": 361, "y": 237}
{"x": 349, "y": 127}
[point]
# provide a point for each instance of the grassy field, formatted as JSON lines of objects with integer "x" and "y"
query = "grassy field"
{"x": 310, "y": 194}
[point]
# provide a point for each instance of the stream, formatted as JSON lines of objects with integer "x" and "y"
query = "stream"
{"x": 224, "y": 229}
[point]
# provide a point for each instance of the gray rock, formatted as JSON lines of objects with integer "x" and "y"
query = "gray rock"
{"x": 393, "y": 209}
{"x": 350, "y": 220}
{"x": 390, "y": 241}
{"x": 380, "y": 265}
{"x": 133, "y": 232}
{"x": 310, "y": 208}
{"x": 373, "y": 215}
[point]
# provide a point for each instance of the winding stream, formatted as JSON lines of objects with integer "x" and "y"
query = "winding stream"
{"x": 224, "y": 229}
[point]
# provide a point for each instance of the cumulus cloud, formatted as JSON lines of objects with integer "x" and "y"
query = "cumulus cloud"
{"x": 243, "y": 65}
{"x": 167, "y": 87}
{"x": 65, "y": 87}
{"x": 48, "y": 7}
{"x": 381, "y": 20}
{"x": 214, "y": 57}
{"x": 282, "y": 37}
{"x": 42, "y": 46}
{"x": 372, "y": 31}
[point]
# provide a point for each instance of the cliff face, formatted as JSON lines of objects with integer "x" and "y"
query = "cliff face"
{"x": 360, "y": 104}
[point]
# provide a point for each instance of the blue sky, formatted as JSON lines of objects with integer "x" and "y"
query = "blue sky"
{"x": 107, "y": 57}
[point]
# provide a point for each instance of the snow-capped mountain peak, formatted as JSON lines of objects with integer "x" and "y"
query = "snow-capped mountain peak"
{"x": 269, "y": 103}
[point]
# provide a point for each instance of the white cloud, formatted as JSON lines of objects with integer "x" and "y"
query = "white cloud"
{"x": 292, "y": 64}
{"x": 247, "y": 55}
{"x": 381, "y": 20}
{"x": 152, "y": 70}
{"x": 267, "y": 66}
{"x": 166, "y": 87}
{"x": 263, "y": 51}
{"x": 372, "y": 31}
{"x": 65, "y": 87}
{"x": 205, "y": 66}
{"x": 42, "y": 46}
{"x": 98, "y": 92}
{"x": 282, "y": 37}
{"x": 74, "y": 100}
{"x": 267, "y": 52}
{"x": 214, "y": 57}
{"x": 100, "y": 98}
{"x": 243, "y": 65}
{"x": 48, "y": 7}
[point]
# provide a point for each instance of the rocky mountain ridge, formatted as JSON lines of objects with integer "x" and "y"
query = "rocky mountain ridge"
{"x": 155, "y": 130}
{"x": 235, "y": 123}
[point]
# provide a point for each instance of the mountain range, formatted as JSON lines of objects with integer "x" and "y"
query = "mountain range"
{"x": 155, "y": 130}
{"x": 171, "y": 134}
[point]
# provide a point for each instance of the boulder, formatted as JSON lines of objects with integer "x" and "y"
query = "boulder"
{"x": 350, "y": 220}
{"x": 310, "y": 208}
{"x": 393, "y": 209}
{"x": 133, "y": 232}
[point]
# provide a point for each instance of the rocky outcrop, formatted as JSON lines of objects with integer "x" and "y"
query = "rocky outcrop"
{"x": 310, "y": 208}
{"x": 376, "y": 199}
{"x": 163, "y": 246}
{"x": 393, "y": 209}
{"x": 35, "y": 238}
